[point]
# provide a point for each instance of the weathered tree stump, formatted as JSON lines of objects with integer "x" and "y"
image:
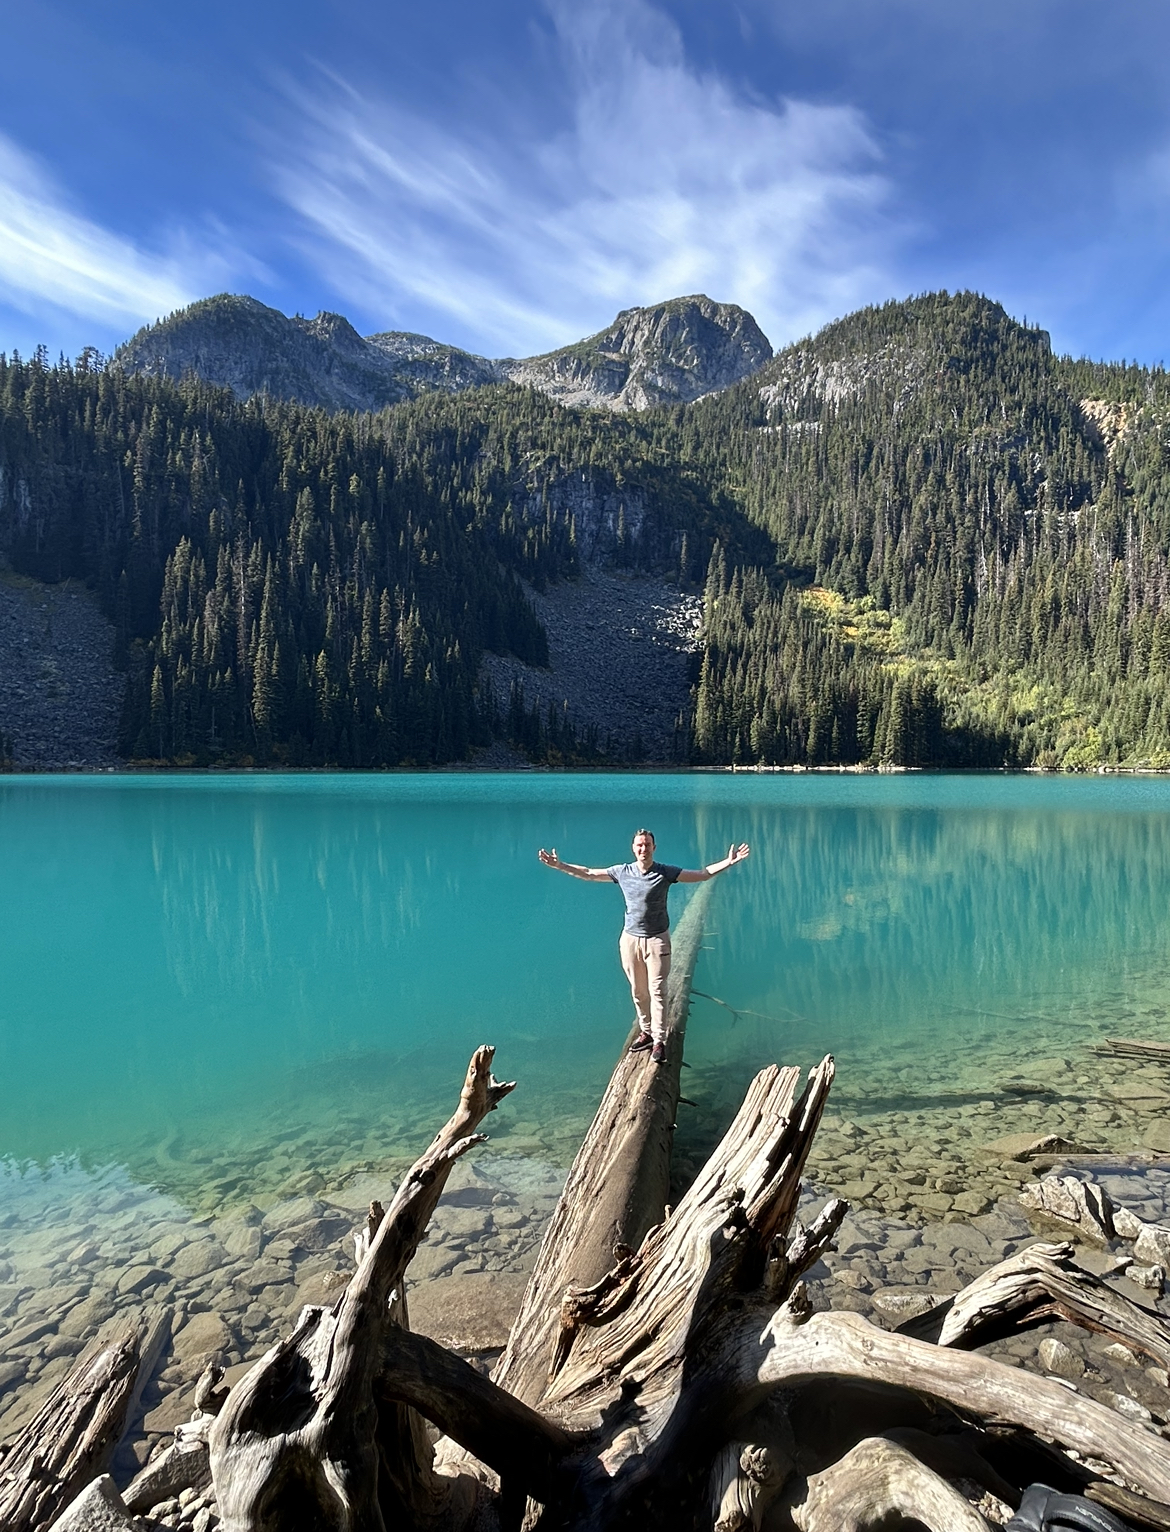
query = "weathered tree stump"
{"x": 647, "y": 1397}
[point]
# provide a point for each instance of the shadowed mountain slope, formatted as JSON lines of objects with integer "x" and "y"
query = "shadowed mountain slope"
{"x": 253, "y": 349}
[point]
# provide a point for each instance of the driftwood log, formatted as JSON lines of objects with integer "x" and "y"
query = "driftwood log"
{"x": 72, "y": 1437}
{"x": 666, "y": 1369}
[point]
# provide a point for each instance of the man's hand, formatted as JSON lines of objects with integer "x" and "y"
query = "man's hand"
{"x": 735, "y": 854}
{"x": 549, "y": 858}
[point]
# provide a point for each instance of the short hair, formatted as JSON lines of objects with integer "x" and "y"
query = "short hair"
{"x": 645, "y": 831}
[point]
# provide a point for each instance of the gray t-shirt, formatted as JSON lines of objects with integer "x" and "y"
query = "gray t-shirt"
{"x": 645, "y": 896}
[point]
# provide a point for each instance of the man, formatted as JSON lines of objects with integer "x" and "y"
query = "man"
{"x": 645, "y": 938}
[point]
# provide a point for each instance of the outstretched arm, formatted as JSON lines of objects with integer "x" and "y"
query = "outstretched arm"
{"x": 701, "y": 874}
{"x": 590, "y": 874}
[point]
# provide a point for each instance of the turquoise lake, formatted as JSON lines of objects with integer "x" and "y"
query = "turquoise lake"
{"x": 287, "y": 974}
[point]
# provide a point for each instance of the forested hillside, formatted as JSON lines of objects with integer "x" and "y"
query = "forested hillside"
{"x": 922, "y": 538}
{"x": 971, "y": 543}
{"x": 298, "y": 587}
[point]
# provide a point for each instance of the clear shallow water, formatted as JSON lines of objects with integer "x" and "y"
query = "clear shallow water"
{"x": 285, "y": 974}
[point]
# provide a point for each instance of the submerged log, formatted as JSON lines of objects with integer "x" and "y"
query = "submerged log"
{"x": 74, "y": 1434}
{"x": 1134, "y": 1048}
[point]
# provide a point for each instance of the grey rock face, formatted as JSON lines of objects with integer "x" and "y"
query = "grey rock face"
{"x": 619, "y": 652}
{"x": 668, "y": 354}
{"x": 252, "y": 349}
{"x": 425, "y": 364}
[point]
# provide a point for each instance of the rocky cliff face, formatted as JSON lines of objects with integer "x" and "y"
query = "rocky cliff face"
{"x": 671, "y": 353}
{"x": 668, "y": 354}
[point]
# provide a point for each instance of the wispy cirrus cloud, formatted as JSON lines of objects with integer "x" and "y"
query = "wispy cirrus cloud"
{"x": 660, "y": 180}
{"x": 52, "y": 256}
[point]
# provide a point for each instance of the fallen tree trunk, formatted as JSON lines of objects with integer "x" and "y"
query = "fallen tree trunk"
{"x": 73, "y": 1436}
{"x": 619, "y": 1181}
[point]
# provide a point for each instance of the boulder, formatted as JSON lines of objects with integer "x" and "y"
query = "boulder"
{"x": 1120, "y": 1356}
{"x": 11, "y": 1373}
{"x": 99, "y": 1508}
{"x": 1060, "y": 1360}
{"x": 1157, "y": 1136}
{"x": 461, "y": 1224}
{"x": 1068, "y": 1200}
{"x": 136, "y": 1279}
{"x": 203, "y": 1336}
{"x": 1151, "y": 1278}
{"x": 432, "y": 1261}
{"x": 198, "y": 1258}
{"x": 900, "y": 1304}
{"x": 244, "y": 1240}
{"x": 86, "y": 1317}
{"x": 972, "y": 1203}
{"x": 295, "y": 1211}
{"x": 1152, "y": 1246}
{"x": 1022, "y": 1146}
{"x": 323, "y": 1288}
{"x": 1126, "y": 1225}
{"x": 320, "y": 1234}
{"x": 468, "y": 1313}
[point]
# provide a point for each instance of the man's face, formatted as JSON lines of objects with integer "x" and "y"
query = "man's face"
{"x": 644, "y": 848}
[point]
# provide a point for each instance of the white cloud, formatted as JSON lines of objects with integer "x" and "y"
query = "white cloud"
{"x": 665, "y": 181}
{"x": 50, "y": 255}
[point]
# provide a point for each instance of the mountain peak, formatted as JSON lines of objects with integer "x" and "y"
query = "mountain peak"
{"x": 667, "y": 353}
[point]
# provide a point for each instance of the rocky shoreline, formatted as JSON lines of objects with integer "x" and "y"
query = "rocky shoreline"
{"x": 233, "y": 1238}
{"x": 76, "y": 1249}
{"x": 236, "y": 1241}
{"x": 235, "y": 1284}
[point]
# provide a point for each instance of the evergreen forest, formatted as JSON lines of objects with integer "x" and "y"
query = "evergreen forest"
{"x": 922, "y": 539}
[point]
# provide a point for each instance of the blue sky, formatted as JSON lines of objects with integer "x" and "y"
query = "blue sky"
{"x": 507, "y": 174}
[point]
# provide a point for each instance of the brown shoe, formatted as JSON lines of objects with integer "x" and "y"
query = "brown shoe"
{"x": 658, "y": 1053}
{"x": 641, "y": 1043}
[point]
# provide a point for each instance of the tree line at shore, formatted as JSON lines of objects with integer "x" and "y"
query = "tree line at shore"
{"x": 922, "y": 539}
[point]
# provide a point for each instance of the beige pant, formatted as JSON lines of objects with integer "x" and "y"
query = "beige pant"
{"x": 646, "y": 963}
